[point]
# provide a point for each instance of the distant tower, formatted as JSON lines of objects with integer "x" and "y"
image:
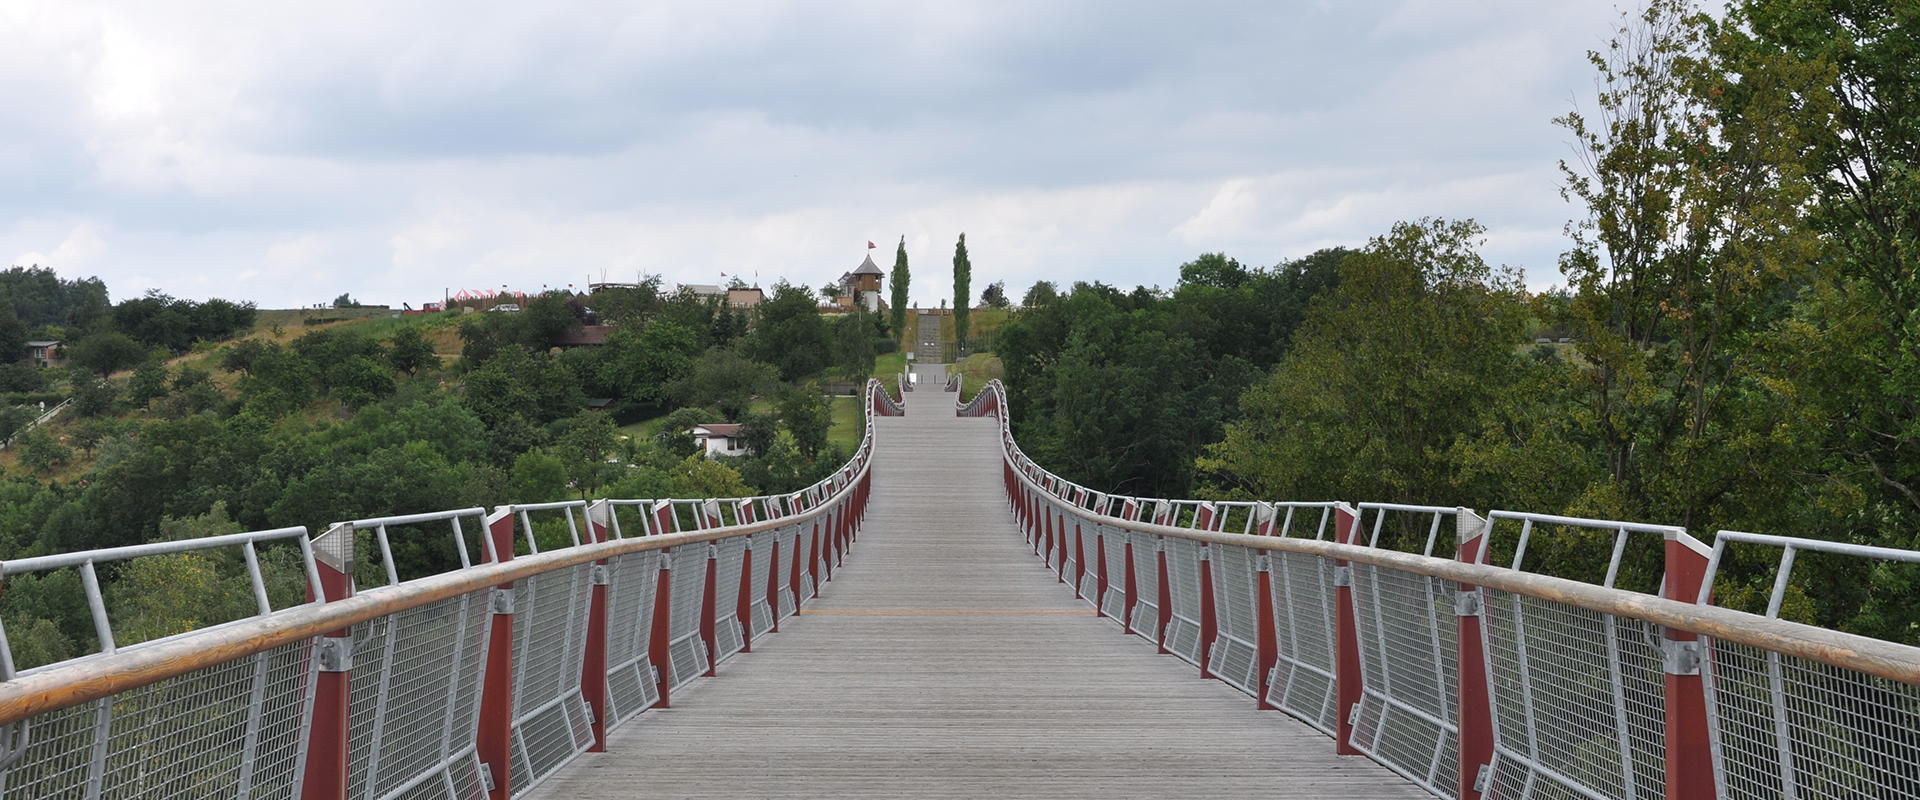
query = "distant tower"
{"x": 866, "y": 286}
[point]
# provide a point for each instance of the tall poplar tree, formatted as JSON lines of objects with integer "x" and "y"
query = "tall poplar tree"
{"x": 962, "y": 275}
{"x": 899, "y": 278}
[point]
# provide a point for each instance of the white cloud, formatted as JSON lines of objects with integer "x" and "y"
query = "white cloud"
{"x": 80, "y": 250}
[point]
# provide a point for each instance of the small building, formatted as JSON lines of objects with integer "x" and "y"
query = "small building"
{"x": 704, "y": 290}
{"x": 745, "y": 299}
{"x": 720, "y": 439}
{"x": 863, "y": 285}
{"x": 50, "y": 353}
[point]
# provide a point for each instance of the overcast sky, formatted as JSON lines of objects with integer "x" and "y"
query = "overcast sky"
{"x": 286, "y": 153}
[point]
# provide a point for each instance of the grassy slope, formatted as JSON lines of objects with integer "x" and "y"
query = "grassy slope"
{"x": 975, "y": 370}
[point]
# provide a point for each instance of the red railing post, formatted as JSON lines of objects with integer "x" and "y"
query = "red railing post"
{"x": 495, "y": 738}
{"x": 1060, "y": 546}
{"x": 1474, "y": 695}
{"x": 1132, "y": 590}
{"x": 1209, "y": 621}
{"x": 743, "y": 607}
{"x": 1267, "y": 643}
{"x": 1689, "y": 744}
{"x": 813, "y": 560}
{"x": 1347, "y": 635}
{"x": 708, "y": 610}
{"x": 658, "y": 643}
{"x": 1166, "y": 595}
{"x": 773, "y": 583}
{"x": 593, "y": 664}
{"x": 326, "y": 769}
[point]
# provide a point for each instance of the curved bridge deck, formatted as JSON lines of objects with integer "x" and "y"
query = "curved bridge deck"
{"x": 944, "y": 660}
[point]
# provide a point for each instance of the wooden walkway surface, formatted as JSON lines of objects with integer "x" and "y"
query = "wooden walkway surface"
{"x": 944, "y": 660}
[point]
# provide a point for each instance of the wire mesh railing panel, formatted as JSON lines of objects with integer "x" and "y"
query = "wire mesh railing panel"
{"x": 1235, "y": 654}
{"x": 729, "y": 559}
{"x": 1303, "y": 618}
{"x": 240, "y": 736}
{"x": 1146, "y": 581}
{"x": 759, "y": 612}
{"x": 244, "y": 735}
{"x": 1410, "y": 674}
{"x": 416, "y": 675}
{"x": 550, "y": 628}
{"x": 631, "y": 583}
{"x": 1183, "y": 584}
{"x": 803, "y": 550}
{"x": 686, "y": 652}
{"x": 1114, "y": 543}
{"x": 1787, "y": 727}
{"x": 58, "y": 757}
{"x": 787, "y": 539}
{"x": 1578, "y": 701}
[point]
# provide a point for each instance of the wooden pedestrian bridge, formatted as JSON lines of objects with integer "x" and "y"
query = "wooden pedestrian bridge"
{"x": 943, "y": 618}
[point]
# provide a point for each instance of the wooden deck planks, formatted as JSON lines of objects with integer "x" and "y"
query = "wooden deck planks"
{"x": 948, "y": 662}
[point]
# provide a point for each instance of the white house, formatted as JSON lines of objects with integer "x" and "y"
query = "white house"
{"x": 719, "y": 440}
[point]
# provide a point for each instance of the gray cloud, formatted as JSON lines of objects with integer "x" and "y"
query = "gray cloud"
{"x": 395, "y": 149}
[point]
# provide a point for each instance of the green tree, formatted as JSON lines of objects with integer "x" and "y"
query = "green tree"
{"x": 93, "y": 395}
{"x": 995, "y": 295}
{"x": 853, "y": 336}
{"x": 1388, "y": 373}
{"x": 13, "y": 336}
{"x": 790, "y": 333}
{"x": 1695, "y": 199}
{"x": 42, "y": 452}
{"x": 538, "y": 477}
{"x": 726, "y": 381}
{"x": 1213, "y": 269}
{"x": 239, "y": 356}
{"x": 280, "y": 382}
{"x": 149, "y": 381}
{"x": 410, "y": 352}
{"x": 107, "y": 353}
{"x": 360, "y": 380}
{"x": 590, "y": 438}
{"x": 345, "y": 301}
{"x": 962, "y": 291}
{"x": 900, "y": 279}
{"x": 1040, "y": 294}
{"x": 808, "y": 416}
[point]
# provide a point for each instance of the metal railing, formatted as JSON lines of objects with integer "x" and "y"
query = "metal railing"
{"x": 1473, "y": 680}
{"x": 477, "y": 681}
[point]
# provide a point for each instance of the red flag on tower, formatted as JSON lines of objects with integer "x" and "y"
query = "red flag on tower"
{"x": 869, "y": 245}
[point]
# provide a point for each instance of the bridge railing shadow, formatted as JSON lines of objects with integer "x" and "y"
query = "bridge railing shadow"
{"x": 1473, "y": 680}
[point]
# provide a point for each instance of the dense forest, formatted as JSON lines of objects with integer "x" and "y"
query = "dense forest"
{"x": 1735, "y": 345}
{"x": 189, "y": 419}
